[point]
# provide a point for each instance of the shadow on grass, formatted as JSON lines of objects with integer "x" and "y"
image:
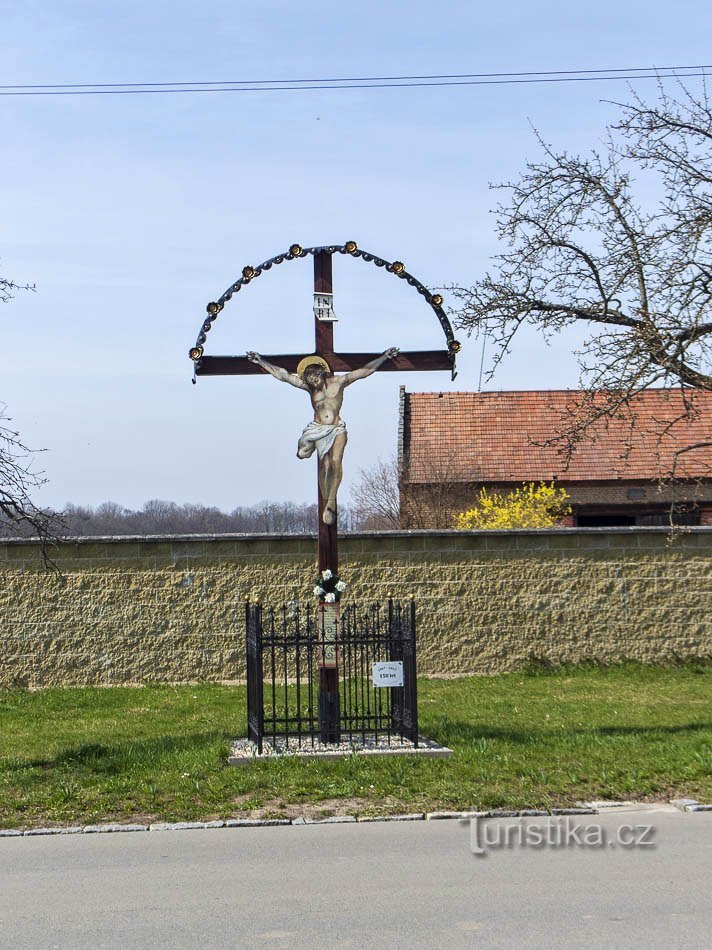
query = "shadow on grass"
{"x": 454, "y": 733}
{"x": 112, "y": 758}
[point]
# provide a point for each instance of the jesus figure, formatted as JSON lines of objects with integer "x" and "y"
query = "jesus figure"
{"x": 327, "y": 432}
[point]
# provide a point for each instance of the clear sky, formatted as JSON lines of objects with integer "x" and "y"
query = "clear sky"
{"x": 131, "y": 212}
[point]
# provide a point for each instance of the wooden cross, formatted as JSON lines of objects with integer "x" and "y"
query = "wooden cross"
{"x": 329, "y": 715}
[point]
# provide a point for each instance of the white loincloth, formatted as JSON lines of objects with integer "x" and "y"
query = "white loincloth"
{"x": 320, "y": 437}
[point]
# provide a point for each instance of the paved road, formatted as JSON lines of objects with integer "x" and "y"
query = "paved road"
{"x": 410, "y": 884}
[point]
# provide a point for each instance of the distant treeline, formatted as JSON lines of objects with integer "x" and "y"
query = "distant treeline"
{"x": 167, "y": 517}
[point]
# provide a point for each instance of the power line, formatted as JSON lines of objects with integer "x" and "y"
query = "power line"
{"x": 368, "y": 82}
{"x": 233, "y": 82}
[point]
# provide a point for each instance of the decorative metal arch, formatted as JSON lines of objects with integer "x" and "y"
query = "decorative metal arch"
{"x": 296, "y": 251}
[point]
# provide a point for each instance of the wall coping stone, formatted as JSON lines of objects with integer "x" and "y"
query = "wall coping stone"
{"x": 627, "y": 530}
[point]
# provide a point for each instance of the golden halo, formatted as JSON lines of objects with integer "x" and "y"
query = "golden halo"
{"x": 311, "y": 361}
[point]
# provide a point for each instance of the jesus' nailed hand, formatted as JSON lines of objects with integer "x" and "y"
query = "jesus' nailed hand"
{"x": 327, "y": 433}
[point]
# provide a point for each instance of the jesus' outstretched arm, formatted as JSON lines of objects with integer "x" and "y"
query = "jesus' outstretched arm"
{"x": 277, "y": 371}
{"x": 371, "y": 367}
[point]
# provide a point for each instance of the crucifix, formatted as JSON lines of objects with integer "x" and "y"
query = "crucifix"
{"x": 326, "y": 434}
{"x": 316, "y": 374}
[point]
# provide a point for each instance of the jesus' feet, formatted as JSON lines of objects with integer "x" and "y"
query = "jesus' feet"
{"x": 329, "y": 516}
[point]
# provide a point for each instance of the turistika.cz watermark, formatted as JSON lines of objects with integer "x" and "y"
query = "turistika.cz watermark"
{"x": 557, "y": 832}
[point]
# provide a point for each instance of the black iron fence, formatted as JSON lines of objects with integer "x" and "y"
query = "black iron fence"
{"x": 296, "y": 656}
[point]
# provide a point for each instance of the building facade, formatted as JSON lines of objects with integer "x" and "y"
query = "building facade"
{"x": 645, "y": 468}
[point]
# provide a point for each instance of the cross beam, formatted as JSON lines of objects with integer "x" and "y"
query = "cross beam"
{"x": 414, "y": 360}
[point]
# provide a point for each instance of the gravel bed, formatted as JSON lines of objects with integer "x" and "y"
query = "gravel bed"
{"x": 245, "y": 750}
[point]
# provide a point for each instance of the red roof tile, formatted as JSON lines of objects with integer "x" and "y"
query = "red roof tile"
{"x": 487, "y": 437}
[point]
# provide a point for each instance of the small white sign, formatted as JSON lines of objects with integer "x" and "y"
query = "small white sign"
{"x": 388, "y": 674}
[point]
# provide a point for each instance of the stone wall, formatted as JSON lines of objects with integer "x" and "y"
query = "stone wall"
{"x": 131, "y": 610}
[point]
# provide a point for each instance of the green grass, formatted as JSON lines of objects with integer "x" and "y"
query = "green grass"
{"x": 542, "y": 739}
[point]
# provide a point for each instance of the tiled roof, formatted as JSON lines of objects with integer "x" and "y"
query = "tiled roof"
{"x": 487, "y": 437}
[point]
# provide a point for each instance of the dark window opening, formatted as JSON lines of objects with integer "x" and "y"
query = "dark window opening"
{"x": 681, "y": 516}
{"x": 604, "y": 521}
{"x": 636, "y": 516}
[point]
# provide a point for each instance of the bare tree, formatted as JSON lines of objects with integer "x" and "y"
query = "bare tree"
{"x": 167, "y": 517}
{"x": 426, "y": 493}
{"x": 432, "y": 490}
{"x": 19, "y": 515}
{"x": 8, "y": 288}
{"x": 18, "y": 478}
{"x": 583, "y": 249}
{"x": 375, "y": 497}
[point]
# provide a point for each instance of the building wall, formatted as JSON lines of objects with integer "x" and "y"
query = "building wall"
{"x": 171, "y": 609}
{"x": 434, "y": 506}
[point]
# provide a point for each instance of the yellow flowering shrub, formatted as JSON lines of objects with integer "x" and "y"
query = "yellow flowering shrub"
{"x": 531, "y": 506}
